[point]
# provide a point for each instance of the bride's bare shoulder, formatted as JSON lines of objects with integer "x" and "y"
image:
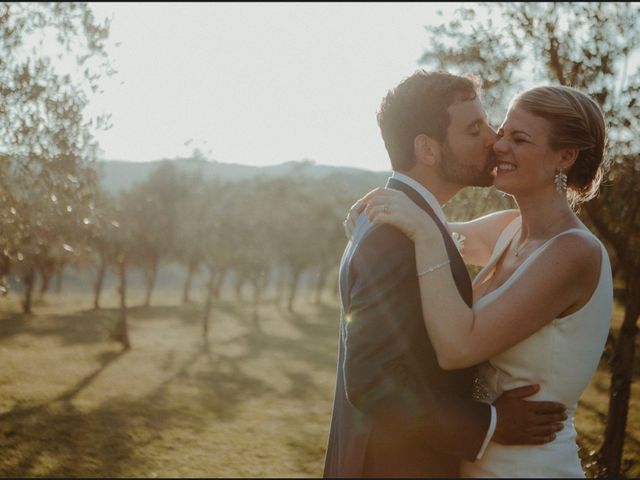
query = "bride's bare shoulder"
{"x": 482, "y": 234}
{"x": 578, "y": 248}
{"x": 495, "y": 221}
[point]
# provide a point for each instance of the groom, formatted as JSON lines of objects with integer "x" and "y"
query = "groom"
{"x": 396, "y": 412}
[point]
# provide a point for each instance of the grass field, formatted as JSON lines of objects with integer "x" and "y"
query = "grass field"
{"x": 255, "y": 400}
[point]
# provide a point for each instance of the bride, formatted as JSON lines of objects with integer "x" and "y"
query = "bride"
{"x": 542, "y": 302}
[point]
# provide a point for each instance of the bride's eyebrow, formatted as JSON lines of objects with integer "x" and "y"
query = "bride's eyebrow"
{"x": 513, "y": 132}
{"x": 520, "y": 131}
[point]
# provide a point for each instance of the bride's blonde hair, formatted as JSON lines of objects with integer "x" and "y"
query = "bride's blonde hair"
{"x": 576, "y": 121}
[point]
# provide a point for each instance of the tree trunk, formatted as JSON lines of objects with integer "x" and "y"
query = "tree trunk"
{"x": 45, "y": 276}
{"x": 219, "y": 282}
{"x": 295, "y": 278}
{"x": 187, "y": 284}
{"x": 5, "y": 270}
{"x": 29, "y": 280}
{"x": 239, "y": 284}
{"x": 121, "y": 333}
{"x": 102, "y": 269}
{"x": 58, "y": 274}
{"x": 256, "y": 300}
{"x": 208, "y": 302}
{"x": 150, "y": 274}
{"x": 281, "y": 286}
{"x": 259, "y": 284}
{"x": 322, "y": 277}
{"x": 5, "y": 265}
{"x": 619, "y": 393}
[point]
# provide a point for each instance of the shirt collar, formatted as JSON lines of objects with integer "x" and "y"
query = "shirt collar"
{"x": 426, "y": 194}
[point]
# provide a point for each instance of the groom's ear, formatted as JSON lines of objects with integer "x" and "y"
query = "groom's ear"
{"x": 426, "y": 150}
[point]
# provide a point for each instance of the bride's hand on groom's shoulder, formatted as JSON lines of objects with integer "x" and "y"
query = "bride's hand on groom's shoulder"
{"x": 356, "y": 209}
{"x": 394, "y": 207}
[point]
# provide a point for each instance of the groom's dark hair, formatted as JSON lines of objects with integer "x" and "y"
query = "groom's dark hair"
{"x": 418, "y": 105}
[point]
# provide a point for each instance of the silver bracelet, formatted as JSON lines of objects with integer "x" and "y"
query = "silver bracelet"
{"x": 435, "y": 267}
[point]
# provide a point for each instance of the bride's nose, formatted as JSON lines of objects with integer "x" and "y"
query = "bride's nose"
{"x": 500, "y": 146}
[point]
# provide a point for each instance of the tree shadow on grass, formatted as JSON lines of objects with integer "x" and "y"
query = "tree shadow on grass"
{"x": 13, "y": 324}
{"x": 57, "y": 439}
{"x": 90, "y": 326}
{"x": 222, "y": 385}
{"x": 49, "y": 438}
{"x": 313, "y": 352}
{"x": 83, "y": 327}
{"x": 302, "y": 386}
{"x": 317, "y": 349}
{"x": 188, "y": 313}
{"x": 322, "y": 324}
{"x": 68, "y": 395}
{"x": 61, "y": 441}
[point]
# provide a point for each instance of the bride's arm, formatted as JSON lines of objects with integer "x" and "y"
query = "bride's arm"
{"x": 561, "y": 276}
{"x": 463, "y": 336}
{"x": 481, "y": 235}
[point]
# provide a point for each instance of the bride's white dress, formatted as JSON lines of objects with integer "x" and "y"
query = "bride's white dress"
{"x": 561, "y": 357}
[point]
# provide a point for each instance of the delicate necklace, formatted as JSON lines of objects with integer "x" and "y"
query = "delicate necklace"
{"x": 521, "y": 247}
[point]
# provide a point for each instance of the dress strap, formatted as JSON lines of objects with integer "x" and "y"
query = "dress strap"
{"x": 524, "y": 265}
{"x": 570, "y": 230}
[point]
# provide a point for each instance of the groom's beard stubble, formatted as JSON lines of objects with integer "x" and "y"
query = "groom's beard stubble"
{"x": 453, "y": 170}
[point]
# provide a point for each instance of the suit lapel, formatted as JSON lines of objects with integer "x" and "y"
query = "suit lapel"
{"x": 458, "y": 268}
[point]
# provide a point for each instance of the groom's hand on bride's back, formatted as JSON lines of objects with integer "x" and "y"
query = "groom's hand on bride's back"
{"x": 527, "y": 422}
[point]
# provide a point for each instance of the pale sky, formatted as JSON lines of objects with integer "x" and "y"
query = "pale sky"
{"x": 257, "y": 84}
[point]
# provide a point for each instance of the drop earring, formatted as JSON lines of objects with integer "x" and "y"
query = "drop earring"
{"x": 560, "y": 180}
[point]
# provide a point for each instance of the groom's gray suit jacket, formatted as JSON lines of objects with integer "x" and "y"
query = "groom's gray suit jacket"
{"x": 396, "y": 412}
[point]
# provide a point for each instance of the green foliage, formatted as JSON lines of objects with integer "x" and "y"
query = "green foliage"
{"x": 584, "y": 45}
{"x": 47, "y": 150}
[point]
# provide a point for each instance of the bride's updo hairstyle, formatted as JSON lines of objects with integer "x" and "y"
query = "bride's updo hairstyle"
{"x": 575, "y": 121}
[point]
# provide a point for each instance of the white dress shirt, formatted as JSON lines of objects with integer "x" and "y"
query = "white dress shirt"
{"x": 433, "y": 203}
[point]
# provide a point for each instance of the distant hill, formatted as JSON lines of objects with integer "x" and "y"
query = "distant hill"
{"x": 116, "y": 175}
